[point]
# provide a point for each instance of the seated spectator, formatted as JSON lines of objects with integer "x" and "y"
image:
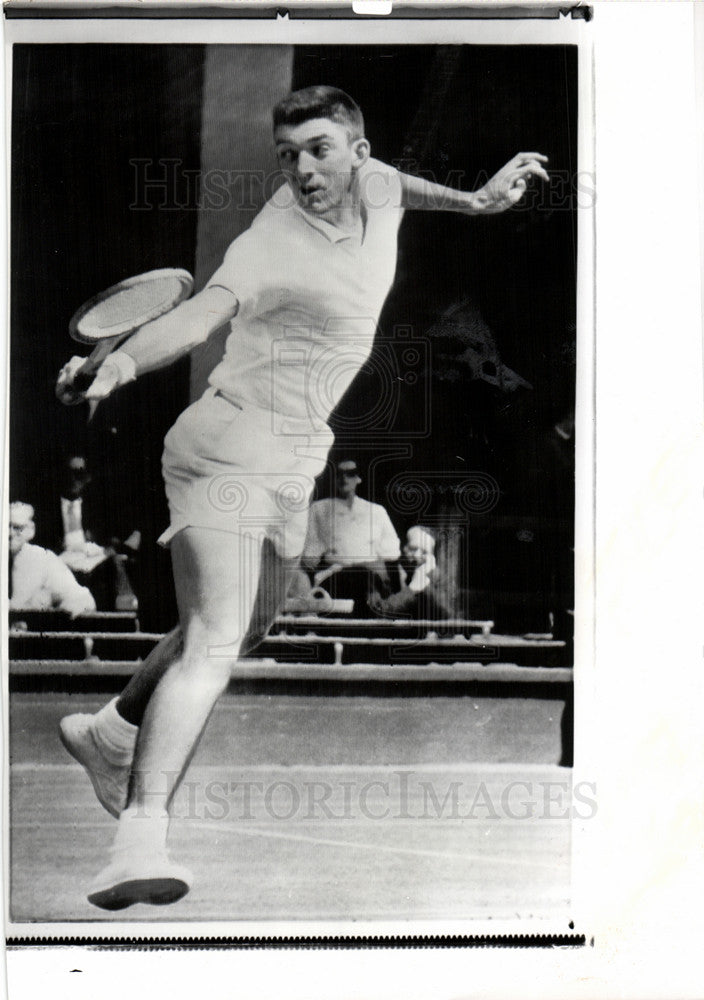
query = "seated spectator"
{"x": 350, "y": 541}
{"x": 38, "y": 579}
{"x": 100, "y": 567}
{"x": 425, "y": 591}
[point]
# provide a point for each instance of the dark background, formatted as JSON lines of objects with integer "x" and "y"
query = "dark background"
{"x": 82, "y": 112}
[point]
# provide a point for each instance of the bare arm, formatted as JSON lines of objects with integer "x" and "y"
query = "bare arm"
{"x": 159, "y": 343}
{"x": 501, "y": 192}
{"x": 168, "y": 338}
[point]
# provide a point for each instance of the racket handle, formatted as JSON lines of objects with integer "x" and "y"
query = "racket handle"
{"x": 71, "y": 395}
{"x": 85, "y": 376}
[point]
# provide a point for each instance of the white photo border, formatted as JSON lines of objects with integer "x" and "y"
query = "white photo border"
{"x": 485, "y": 32}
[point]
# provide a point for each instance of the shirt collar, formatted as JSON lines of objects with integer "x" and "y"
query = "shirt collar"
{"x": 331, "y": 233}
{"x": 356, "y": 502}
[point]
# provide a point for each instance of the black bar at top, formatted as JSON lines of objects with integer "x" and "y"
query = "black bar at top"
{"x": 22, "y": 10}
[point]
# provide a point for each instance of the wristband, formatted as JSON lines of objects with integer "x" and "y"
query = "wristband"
{"x": 126, "y": 366}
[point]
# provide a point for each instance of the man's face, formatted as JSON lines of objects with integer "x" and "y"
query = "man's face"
{"x": 346, "y": 479}
{"x": 417, "y": 548}
{"x": 319, "y": 162}
{"x": 21, "y": 531}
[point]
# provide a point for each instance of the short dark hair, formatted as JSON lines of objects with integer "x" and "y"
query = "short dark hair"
{"x": 320, "y": 102}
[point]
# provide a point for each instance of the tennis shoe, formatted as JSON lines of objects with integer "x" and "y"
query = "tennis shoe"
{"x": 132, "y": 877}
{"x": 110, "y": 781}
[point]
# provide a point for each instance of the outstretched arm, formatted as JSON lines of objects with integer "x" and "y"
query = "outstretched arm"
{"x": 168, "y": 338}
{"x": 159, "y": 343}
{"x": 501, "y": 192}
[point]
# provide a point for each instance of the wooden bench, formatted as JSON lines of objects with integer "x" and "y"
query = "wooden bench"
{"x": 311, "y": 646}
{"x": 59, "y": 621}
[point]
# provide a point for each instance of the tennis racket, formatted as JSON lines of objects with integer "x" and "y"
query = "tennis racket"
{"x": 110, "y": 317}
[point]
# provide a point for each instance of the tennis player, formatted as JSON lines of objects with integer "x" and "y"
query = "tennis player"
{"x": 303, "y": 289}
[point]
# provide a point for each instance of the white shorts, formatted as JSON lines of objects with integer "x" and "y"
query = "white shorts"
{"x": 225, "y": 468}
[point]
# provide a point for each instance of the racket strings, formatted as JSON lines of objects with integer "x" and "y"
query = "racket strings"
{"x": 128, "y": 303}
{"x": 125, "y": 307}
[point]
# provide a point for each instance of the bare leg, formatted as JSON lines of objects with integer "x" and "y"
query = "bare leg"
{"x": 217, "y": 588}
{"x": 274, "y": 577}
{"x": 104, "y": 744}
{"x": 216, "y": 577}
{"x": 215, "y": 574}
{"x": 134, "y": 699}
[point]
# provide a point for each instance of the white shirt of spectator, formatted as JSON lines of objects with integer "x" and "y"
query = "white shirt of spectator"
{"x": 41, "y": 581}
{"x": 358, "y": 534}
{"x": 309, "y": 301}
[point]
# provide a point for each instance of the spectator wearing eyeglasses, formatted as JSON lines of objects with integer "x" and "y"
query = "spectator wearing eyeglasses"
{"x": 38, "y": 579}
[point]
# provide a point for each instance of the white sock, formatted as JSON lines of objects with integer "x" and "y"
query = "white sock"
{"x": 140, "y": 833}
{"x": 115, "y": 735}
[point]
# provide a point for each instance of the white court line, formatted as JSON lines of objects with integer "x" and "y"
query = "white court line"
{"x": 379, "y": 848}
{"x": 216, "y": 826}
{"x": 293, "y": 702}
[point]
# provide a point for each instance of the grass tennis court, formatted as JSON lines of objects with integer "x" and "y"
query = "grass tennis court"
{"x": 308, "y": 807}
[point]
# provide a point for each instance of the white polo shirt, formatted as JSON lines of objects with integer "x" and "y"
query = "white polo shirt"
{"x": 309, "y": 299}
{"x": 359, "y": 534}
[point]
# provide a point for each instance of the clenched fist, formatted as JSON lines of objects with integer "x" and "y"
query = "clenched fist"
{"x": 117, "y": 369}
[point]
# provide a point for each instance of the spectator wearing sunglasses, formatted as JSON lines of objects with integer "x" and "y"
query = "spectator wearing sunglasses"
{"x": 350, "y": 541}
